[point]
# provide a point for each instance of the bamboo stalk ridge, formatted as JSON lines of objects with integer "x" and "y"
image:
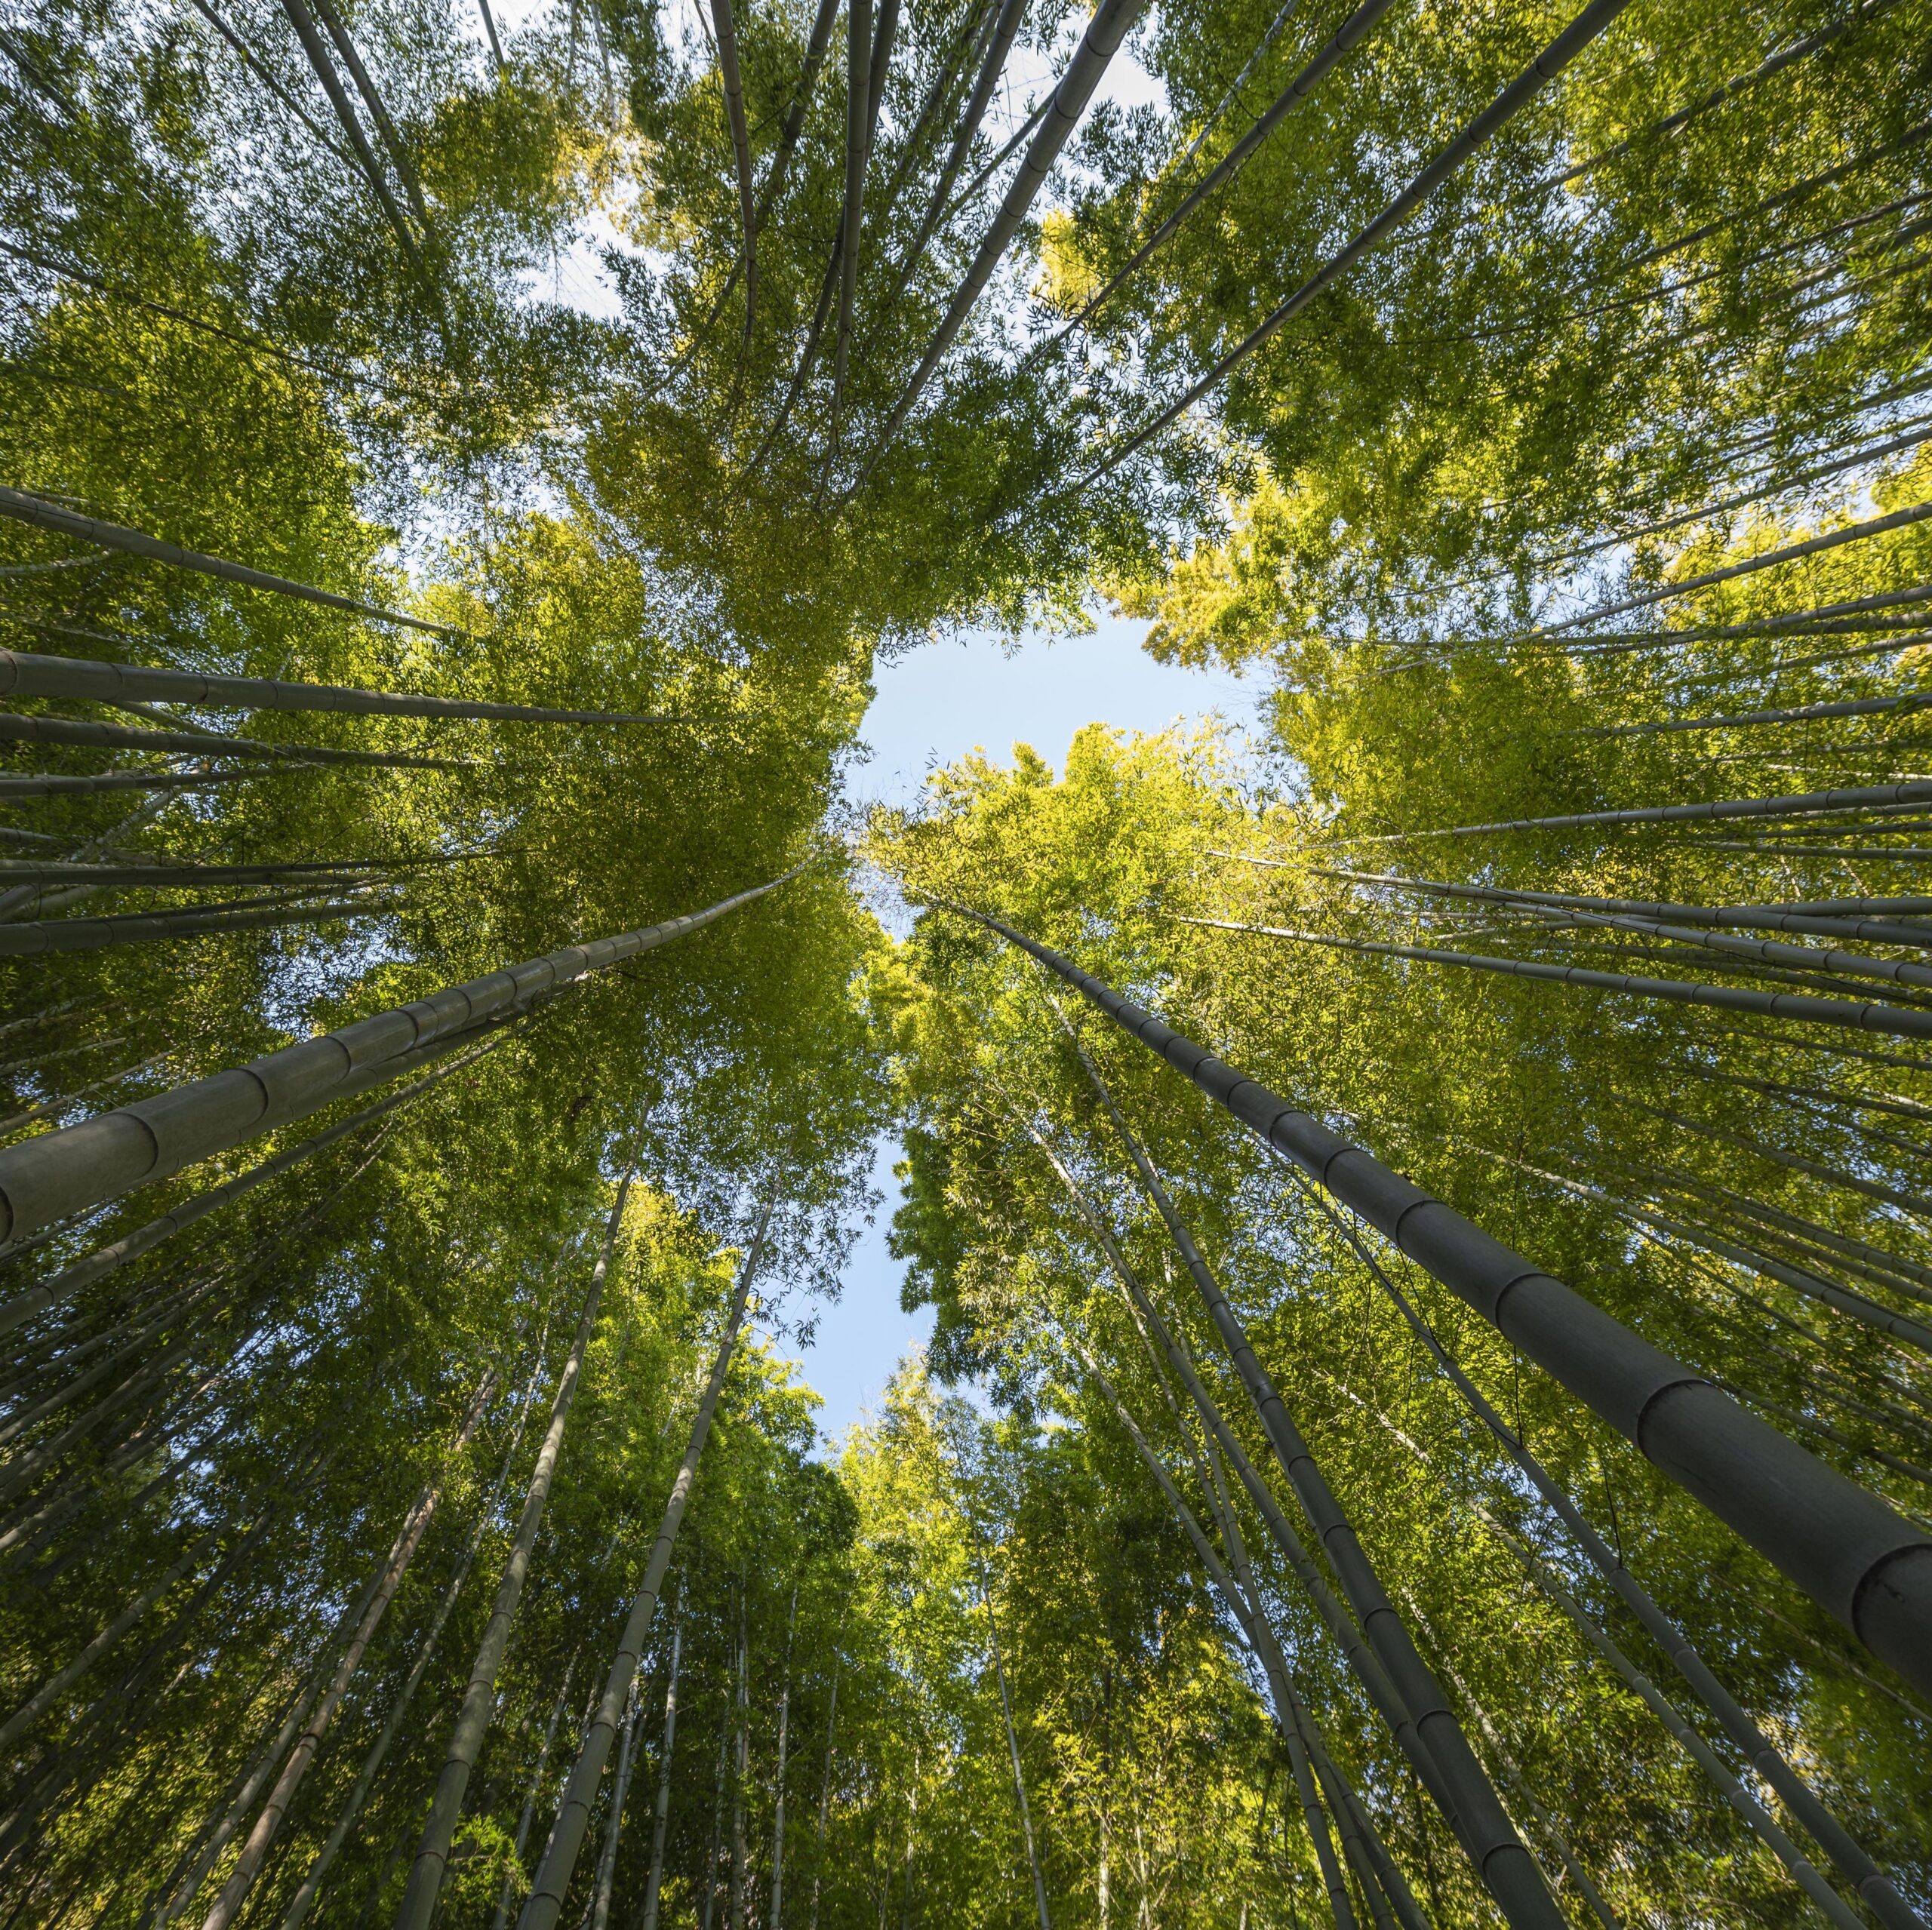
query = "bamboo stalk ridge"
{"x": 1854, "y": 1556}
{"x": 553, "y": 1873}
{"x": 82, "y": 1165}
{"x": 57, "y": 520}
{"x": 24, "y": 675}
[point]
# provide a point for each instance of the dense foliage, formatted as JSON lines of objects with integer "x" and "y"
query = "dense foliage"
{"x": 403, "y": 1376}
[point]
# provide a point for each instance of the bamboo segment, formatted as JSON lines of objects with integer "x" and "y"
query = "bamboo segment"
{"x": 1853, "y": 1555}
{"x": 479, "y": 1696}
{"x": 64, "y": 1285}
{"x": 1878, "y": 1889}
{"x": 37, "y": 937}
{"x": 553, "y": 1874}
{"x": 1865, "y": 1015}
{"x": 1109, "y": 27}
{"x": 234, "y": 1893}
{"x": 59, "y": 521}
{"x": 90, "y": 679}
{"x": 82, "y": 1165}
{"x": 16, "y": 729}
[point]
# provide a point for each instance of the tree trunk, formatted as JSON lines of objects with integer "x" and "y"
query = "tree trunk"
{"x": 567, "y": 1834}
{"x": 24, "y": 675}
{"x": 717, "y": 1826}
{"x": 660, "y": 1822}
{"x": 1853, "y": 1553}
{"x": 607, "y": 1868}
{"x": 234, "y": 1891}
{"x": 777, "y": 1921}
{"x": 741, "y": 148}
{"x": 858, "y": 89}
{"x": 479, "y": 1697}
{"x": 45, "y": 1179}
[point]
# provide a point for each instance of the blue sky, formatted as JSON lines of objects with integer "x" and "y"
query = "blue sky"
{"x": 936, "y": 704}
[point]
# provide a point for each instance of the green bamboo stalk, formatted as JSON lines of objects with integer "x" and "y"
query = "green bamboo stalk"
{"x": 553, "y": 1873}
{"x": 83, "y": 1166}
{"x": 479, "y": 1696}
{"x": 16, "y": 729}
{"x": 58, "y": 519}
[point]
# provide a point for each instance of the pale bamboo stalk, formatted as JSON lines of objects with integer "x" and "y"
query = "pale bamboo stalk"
{"x": 85, "y": 1165}
{"x": 304, "y": 24}
{"x": 379, "y": 114}
{"x": 472, "y": 1722}
{"x": 234, "y": 1893}
{"x": 1109, "y": 27}
{"x": 1872, "y": 526}
{"x": 824, "y": 1795}
{"x": 528, "y": 1815}
{"x": 43, "y": 938}
{"x": 740, "y": 1771}
{"x": 310, "y": 1889}
{"x": 717, "y": 1828}
{"x": 607, "y": 1865}
{"x": 733, "y": 85}
{"x": 58, "y": 783}
{"x": 553, "y": 1874}
{"x": 1012, "y": 1752}
{"x": 660, "y": 1823}
{"x": 1262, "y": 1644}
{"x": 1361, "y": 1658}
{"x": 1475, "y": 134}
{"x": 1877, "y": 1889}
{"x": 858, "y": 88}
{"x": 777, "y": 1920}
{"x": 22, "y": 675}
{"x": 1502, "y": 1862}
{"x": 59, "y": 521}
{"x": 15, "y": 728}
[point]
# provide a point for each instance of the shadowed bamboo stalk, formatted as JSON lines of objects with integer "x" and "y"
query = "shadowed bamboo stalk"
{"x": 1521, "y": 91}
{"x": 660, "y": 1822}
{"x": 606, "y": 1864}
{"x": 1361, "y": 1659}
{"x": 1877, "y": 1889}
{"x": 1855, "y": 1556}
{"x": 1749, "y": 918}
{"x": 1345, "y": 38}
{"x": 1872, "y": 526}
{"x": 15, "y": 728}
{"x": 310, "y": 1890}
{"x": 57, "y": 520}
{"x": 547, "y": 1895}
{"x": 1503, "y": 1863}
{"x": 234, "y": 1892}
{"x": 1866, "y": 1015}
{"x": 85, "y": 1165}
{"x": 1260, "y": 1641}
{"x": 479, "y": 1696}
{"x": 1109, "y": 27}
{"x": 58, "y": 784}
{"x": 90, "y": 680}
{"x": 304, "y": 24}
{"x": 776, "y": 1918}
{"x": 858, "y": 92}
{"x": 1013, "y": 1747}
{"x": 385, "y": 127}
{"x": 741, "y": 149}
{"x": 40, "y": 938}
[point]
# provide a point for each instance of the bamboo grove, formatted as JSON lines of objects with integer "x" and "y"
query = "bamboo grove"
{"x": 1422, "y": 1202}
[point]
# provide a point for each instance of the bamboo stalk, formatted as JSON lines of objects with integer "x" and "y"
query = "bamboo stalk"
{"x": 546, "y": 1900}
